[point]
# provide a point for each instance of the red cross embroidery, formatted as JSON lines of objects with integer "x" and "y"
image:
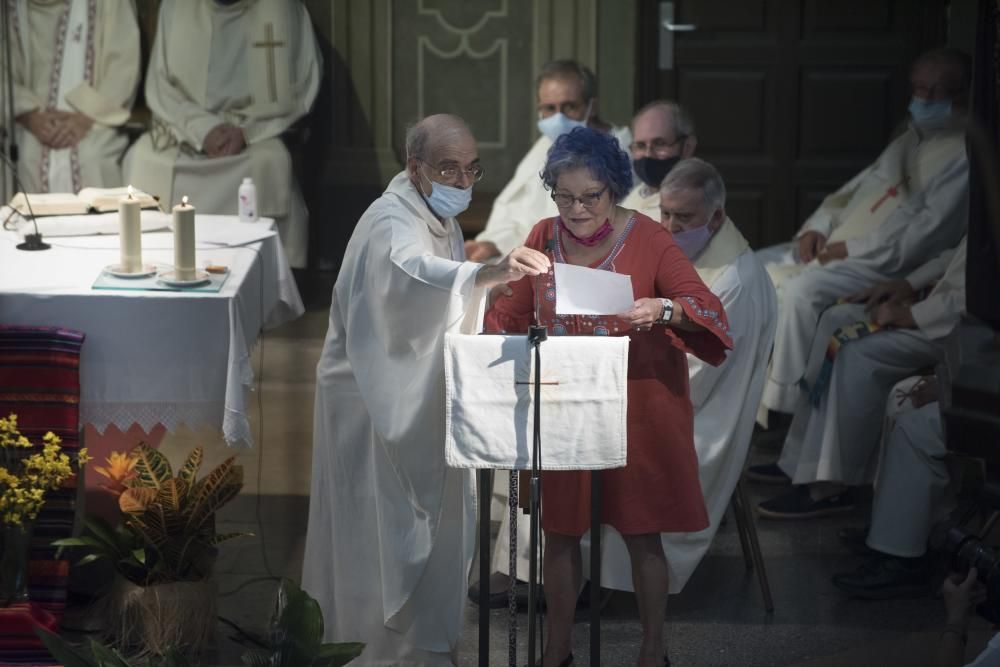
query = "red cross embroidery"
{"x": 893, "y": 191}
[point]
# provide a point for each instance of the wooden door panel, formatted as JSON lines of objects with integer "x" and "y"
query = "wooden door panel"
{"x": 729, "y": 106}
{"x": 747, "y": 207}
{"x": 845, "y": 113}
{"x": 724, "y": 15}
{"x": 846, "y": 18}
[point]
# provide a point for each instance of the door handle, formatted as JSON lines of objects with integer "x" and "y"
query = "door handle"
{"x": 667, "y": 30}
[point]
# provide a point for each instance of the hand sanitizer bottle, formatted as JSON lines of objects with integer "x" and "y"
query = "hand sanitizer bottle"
{"x": 248, "y": 201}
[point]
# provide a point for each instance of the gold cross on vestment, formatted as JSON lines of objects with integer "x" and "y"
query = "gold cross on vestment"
{"x": 270, "y": 44}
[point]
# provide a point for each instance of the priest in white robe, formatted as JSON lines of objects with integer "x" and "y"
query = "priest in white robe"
{"x": 832, "y": 443}
{"x": 225, "y": 80}
{"x": 724, "y": 397}
{"x": 911, "y": 495}
{"x": 567, "y": 98}
{"x": 662, "y": 135}
{"x": 905, "y": 209}
{"x": 391, "y": 528}
{"x": 76, "y": 72}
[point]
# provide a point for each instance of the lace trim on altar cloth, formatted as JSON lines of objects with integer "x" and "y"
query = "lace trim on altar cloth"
{"x": 235, "y": 425}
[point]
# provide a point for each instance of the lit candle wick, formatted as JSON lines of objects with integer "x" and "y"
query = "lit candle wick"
{"x": 130, "y": 192}
{"x": 184, "y": 200}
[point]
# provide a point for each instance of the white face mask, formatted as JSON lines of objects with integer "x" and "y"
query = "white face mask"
{"x": 446, "y": 200}
{"x": 559, "y": 123}
{"x": 930, "y": 113}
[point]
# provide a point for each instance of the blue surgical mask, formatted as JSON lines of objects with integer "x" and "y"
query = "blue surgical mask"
{"x": 446, "y": 200}
{"x": 559, "y": 124}
{"x": 693, "y": 241}
{"x": 930, "y": 113}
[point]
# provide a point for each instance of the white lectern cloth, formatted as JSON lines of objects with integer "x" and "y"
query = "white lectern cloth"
{"x": 490, "y": 412}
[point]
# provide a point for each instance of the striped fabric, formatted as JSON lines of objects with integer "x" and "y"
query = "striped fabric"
{"x": 40, "y": 383}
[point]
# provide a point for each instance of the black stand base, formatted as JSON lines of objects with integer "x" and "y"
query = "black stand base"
{"x": 33, "y": 242}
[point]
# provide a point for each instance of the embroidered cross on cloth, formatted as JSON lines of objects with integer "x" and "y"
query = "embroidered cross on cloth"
{"x": 489, "y": 405}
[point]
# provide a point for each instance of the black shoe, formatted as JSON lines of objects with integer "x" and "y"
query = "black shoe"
{"x": 768, "y": 473}
{"x": 856, "y": 539}
{"x": 499, "y": 599}
{"x": 883, "y": 577}
{"x": 798, "y": 504}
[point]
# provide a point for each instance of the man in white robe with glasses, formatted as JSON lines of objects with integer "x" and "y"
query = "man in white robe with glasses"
{"x": 391, "y": 528}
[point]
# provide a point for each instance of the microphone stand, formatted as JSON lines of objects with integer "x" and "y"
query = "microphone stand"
{"x": 10, "y": 159}
{"x": 536, "y": 336}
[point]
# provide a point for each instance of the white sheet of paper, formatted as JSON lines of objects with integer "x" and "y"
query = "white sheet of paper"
{"x": 584, "y": 291}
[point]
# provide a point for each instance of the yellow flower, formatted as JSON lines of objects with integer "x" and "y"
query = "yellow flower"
{"x": 119, "y": 470}
{"x": 83, "y": 456}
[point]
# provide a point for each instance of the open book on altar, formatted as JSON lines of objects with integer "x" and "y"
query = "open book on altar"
{"x": 88, "y": 200}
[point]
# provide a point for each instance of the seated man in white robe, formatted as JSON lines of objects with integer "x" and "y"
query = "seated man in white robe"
{"x": 567, "y": 98}
{"x": 833, "y": 439}
{"x": 911, "y": 495}
{"x": 391, "y": 528}
{"x": 894, "y": 216}
{"x": 662, "y": 135}
{"x": 725, "y": 397}
{"x": 225, "y": 80}
{"x": 76, "y": 73}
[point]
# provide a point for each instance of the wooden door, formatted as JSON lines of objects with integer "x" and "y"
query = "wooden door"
{"x": 790, "y": 98}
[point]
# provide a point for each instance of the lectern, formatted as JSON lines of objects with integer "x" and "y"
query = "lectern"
{"x": 531, "y": 403}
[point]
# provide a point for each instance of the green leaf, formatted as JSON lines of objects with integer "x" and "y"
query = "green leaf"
{"x": 106, "y": 657}
{"x": 152, "y": 467}
{"x": 302, "y": 619}
{"x": 256, "y": 657}
{"x": 90, "y": 558}
{"x": 139, "y": 555}
{"x": 189, "y": 471}
{"x": 213, "y": 491}
{"x": 334, "y": 655}
{"x": 218, "y": 539}
{"x": 62, "y": 650}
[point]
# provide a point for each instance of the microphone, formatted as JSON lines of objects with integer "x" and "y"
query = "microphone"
{"x": 31, "y": 241}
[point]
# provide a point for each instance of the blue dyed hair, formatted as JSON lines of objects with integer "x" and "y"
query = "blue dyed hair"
{"x": 596, "y": 151}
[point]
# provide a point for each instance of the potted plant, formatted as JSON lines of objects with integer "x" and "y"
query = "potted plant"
{"x": 163, "y": 552}
{"x": 296, "y": 635}
{"x": 26, "y": 474}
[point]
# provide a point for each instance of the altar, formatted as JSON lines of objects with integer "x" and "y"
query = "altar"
{"x": 169, "y": 356}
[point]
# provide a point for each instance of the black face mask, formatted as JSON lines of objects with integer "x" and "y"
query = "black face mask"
{"x": 652, "y": 171}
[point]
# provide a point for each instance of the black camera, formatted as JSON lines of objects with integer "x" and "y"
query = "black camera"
{"x": 964, "y": 550}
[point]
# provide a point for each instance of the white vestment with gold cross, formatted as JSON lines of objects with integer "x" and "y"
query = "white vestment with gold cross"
{"x": 252, "y": 64}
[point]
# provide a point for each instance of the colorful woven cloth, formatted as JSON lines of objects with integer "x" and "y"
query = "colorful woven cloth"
{"x": 40, "y": 382}
{"x": 840, "y": 337}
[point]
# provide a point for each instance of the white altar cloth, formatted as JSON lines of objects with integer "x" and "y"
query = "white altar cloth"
{"x": 155, "y": 356}
{"x": 489, "y": 410}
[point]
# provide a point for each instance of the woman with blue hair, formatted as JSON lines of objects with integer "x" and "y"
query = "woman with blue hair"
{"x": 674, "y": 314}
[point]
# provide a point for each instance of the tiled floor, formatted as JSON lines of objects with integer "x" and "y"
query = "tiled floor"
{"x": 719, "y": 619}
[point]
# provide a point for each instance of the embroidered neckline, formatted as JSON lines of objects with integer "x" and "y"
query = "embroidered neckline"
{"x": 612, "y": 255}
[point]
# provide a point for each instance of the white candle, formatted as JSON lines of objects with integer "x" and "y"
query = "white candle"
{"x": 184, "y": 268}
{"x": 130, "y": 233}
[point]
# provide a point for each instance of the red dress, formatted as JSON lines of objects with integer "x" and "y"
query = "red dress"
{"x": 658, "y": 491}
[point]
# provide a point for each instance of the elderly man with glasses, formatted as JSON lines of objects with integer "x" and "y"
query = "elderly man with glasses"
{"x": 391, "y": 528}
{"x": 662, "y": 135}
{"x": 567, "y": 98}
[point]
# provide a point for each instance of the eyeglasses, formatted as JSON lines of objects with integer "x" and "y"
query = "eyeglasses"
{"x": 658, "y": 146}
{"x": 452, "y": 173}
{"x": 587, "y": 200}
{"x": 571, "y": 108}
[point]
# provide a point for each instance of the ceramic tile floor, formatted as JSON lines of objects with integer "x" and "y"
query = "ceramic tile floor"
{"x": 719, "y": 618}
